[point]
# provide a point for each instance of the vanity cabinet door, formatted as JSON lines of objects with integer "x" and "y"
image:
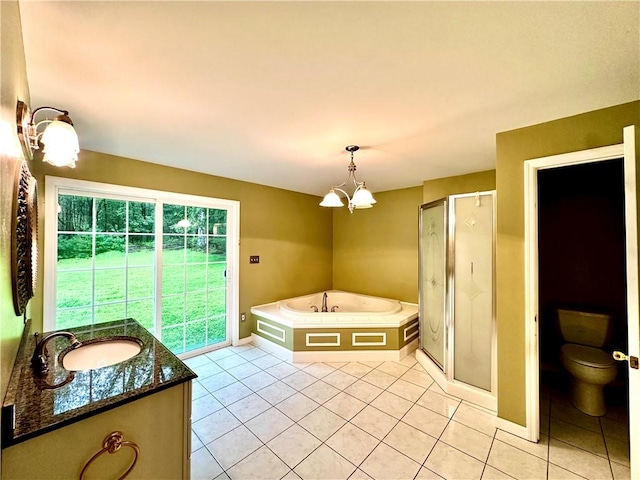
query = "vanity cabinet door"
{"x": 159, "y": 424}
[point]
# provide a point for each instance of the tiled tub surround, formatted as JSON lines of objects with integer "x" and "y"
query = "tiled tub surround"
{"x": 256, "y": 416}
{"x": 362, "y": 328}
{"x": 37, "y": 409}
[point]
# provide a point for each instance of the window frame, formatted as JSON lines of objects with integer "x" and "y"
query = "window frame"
{"x": 55, "y": 185}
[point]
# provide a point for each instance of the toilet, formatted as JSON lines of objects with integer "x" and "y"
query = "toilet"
{"x": 590, "y": 367}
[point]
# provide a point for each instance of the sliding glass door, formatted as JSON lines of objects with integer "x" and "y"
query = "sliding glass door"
{"x": 194, "y": 287}
{"x": 166, "y": 260}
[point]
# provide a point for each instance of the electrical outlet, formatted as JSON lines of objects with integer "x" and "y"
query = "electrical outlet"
{"x": 254, "y": 259}
{"x": 243, "y": 317}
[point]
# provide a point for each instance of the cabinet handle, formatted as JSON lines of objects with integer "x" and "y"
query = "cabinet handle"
{"x": 111, "y": 444}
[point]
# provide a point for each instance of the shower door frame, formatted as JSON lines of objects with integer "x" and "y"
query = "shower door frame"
{"x": 445, "y": 300}
{"x": 445, "y": 377}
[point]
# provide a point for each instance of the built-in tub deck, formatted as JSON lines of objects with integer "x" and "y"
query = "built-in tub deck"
{"x": 361, "y": 327}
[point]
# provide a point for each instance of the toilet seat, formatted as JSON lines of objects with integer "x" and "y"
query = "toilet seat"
{"x": 588, "y": 356}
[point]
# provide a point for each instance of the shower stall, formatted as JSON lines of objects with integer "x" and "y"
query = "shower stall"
{"x": 457, "y": 299}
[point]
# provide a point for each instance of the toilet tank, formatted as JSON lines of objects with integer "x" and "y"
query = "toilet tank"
{"x": 585, "y": 328}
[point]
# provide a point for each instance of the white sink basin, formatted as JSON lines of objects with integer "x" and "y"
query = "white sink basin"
{"x": 101, "y": 353}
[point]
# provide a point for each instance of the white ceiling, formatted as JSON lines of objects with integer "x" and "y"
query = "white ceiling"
{"x": 272, "y": 92}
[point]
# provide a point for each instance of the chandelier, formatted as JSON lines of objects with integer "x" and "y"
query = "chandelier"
{"x": 360, "y": 198}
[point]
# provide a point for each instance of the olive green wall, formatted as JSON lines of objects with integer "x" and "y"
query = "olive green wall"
{"x": 375, "y": 251}
{"x": 14, "y": 86}
{"x": 589, "y": 130}
{"x": 473, "y": 182}
{"x": 290, "y": 233}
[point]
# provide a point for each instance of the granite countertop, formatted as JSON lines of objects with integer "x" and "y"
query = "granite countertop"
{"x": 35, "y": 405}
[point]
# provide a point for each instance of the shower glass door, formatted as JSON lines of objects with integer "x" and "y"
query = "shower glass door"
{"x": 471, "y": 229}
{"x": 433, "y": 276}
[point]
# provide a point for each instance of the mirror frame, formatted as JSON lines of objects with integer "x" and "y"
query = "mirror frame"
{"x": 24, "y": 238}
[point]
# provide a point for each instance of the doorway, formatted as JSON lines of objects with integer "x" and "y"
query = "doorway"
{"x": 627, "y": 151}
{"x": 582, "y": 266}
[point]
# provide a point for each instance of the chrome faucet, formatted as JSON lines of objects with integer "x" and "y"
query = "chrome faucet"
{"x": 324, "y": 302}
{"x": 39, "y": 359}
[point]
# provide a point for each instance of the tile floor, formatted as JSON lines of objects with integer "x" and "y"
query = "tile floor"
{"x": 256, "y": 416}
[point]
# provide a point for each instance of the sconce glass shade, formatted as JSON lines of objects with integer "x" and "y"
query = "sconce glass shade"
{"x": 362, "y": 198}
{"x": 61, "y": 145}
{"x": 331, "y": 199}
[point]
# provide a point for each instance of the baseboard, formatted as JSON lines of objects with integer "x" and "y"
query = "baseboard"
{"x": 457, "y": 389}
{"x": 514, "y": 428}
{"x": 277, "y": 350}
{"x": 243, "y": 341}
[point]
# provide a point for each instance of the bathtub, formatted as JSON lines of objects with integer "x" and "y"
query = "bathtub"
{"x": 340, "y": 305}
{"x": 361, "y": 327}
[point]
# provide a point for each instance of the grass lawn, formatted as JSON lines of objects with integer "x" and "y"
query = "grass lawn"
{"x": 193, "y": 294}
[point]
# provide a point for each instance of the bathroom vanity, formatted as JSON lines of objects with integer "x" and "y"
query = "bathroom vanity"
{"x": 100, "y": 422}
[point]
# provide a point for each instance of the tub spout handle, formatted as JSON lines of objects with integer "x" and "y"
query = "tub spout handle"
{"x": 314, "y": 308}
{"x": 333, "y": 309}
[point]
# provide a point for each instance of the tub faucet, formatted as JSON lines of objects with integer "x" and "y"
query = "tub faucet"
{"x": 324, "y": 302}
{"x": 314, "y": 308}
{"x": 39, "y": 359}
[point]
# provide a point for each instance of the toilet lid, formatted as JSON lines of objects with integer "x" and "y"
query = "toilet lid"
{"x": 589, "y": 356}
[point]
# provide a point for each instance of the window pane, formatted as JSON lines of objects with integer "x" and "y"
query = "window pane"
{"x": 197, "y": 249}
{"x": 216, "y": 302}
{"x": 141, "y": 250}
{"x": 196, "y": 306}
{"x": 143, "y": 311}
{"x": 110, "y": 250}
{"x": 216, "y": 329}
{"x": 75, "y": 249}
{"x": 75, "y": 317}
{"x": 173, "y": 338}
{"x": 196, "y": 335}
{"x": 197, "y": 277}
{"x": 110, "y": 286}
{"x": 140, "y": 282}
{"x": 197, "y": 217}
{"x": 172, "y": 249}
{"x": 217, "y": 249}
{"x": 217, "y": 221}
{"x": 141, "y": 217}
{"x": 216, "y": 279}
{"x": 108, "y": 313}
{"x": 173, "y": 279}
{"x": 172, "y": 310}
{"x": 75, "y": 213}
{"x": 74, "y": 289}
{"x": 111, "y": 215}
{"x": 171, "y": 215}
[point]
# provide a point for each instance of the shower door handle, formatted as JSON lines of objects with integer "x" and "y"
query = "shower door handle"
{"x": 621, "y": 357}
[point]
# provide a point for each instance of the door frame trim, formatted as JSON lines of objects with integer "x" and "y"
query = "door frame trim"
{"x": 531, "y": 167}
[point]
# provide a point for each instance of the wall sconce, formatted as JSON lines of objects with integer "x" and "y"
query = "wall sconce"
{"x": 361, "y": 197}
{"x": 58, "y": 137}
